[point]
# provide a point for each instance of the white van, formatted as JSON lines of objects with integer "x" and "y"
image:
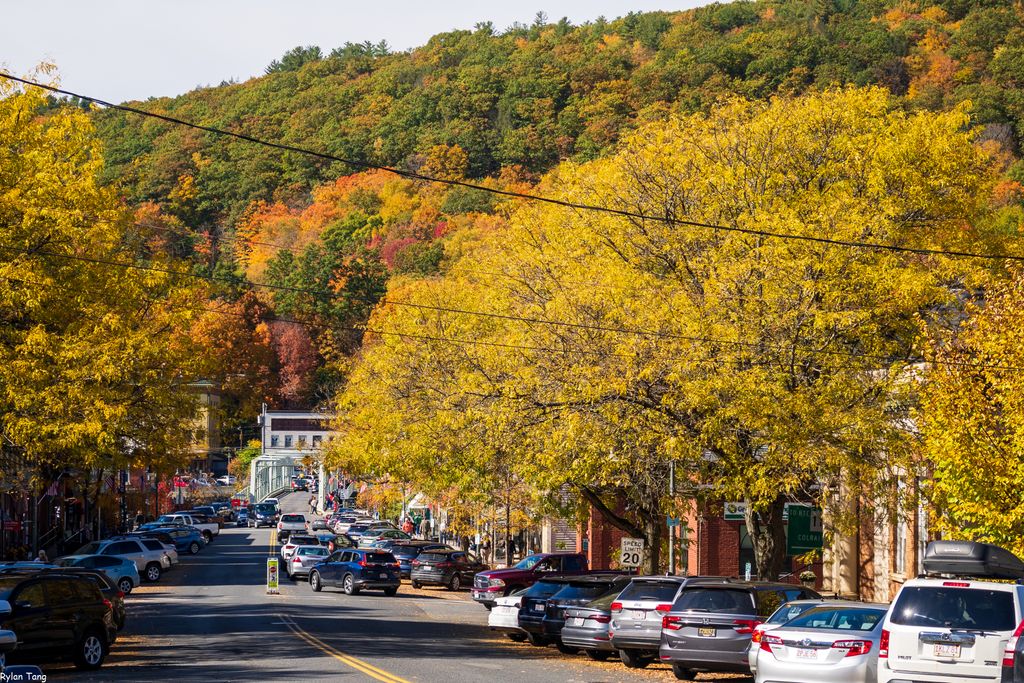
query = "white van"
{"x": 953, "y": 625}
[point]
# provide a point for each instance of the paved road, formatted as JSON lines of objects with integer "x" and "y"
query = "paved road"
{"x": 211, "y": 620}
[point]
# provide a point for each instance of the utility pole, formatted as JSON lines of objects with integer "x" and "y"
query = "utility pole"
{"x": 671, "y": 528}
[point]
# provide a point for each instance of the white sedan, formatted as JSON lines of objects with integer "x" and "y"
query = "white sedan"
{"x": 504, "y": 616}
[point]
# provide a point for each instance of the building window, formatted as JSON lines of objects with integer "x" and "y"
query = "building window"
{"x": 899, "y": 546}
{"x": 274, "y": 440}
{"x": 317, "y": 440}
{"x": 302, "y": 442}
{"x": 288, "y": 441}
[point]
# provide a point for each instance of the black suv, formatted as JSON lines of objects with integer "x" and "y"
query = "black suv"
{"x": 106, "y": 585}
{"x": 55, "y": 615}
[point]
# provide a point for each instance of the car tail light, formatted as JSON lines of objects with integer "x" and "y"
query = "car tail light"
{"x": 1011, "y": 645}
{"x": 445, "y": 565}
{"x": 957, "y": 584}
{"x": 396, "y": 565}
{"x": 599, "y": 618}
{"x": 768, "y": 640}
{"x": 664, "y": 607}
{"x": 853, "y": 648}
{"x": 109, "y": 604}
{"x": 744, "y": 626}
{"x": 883, "y": 645}
{"x": 756, "y": 636}
{"x": 415, "y": 563}
{"x": 362, "y": 563}
{"x": 120, "y": 594}
{"x": 616, "y": 607}
{"x": 672, "y": 623}
{"x": 296, "y": 560}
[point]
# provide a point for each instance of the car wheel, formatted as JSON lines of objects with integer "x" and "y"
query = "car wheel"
{"x": 349, "y": 585}
{"x": 193, "y": 548}
{"x": 153, "y": 571}
{"x": 208, "y": 536}
{"x": 125, "y": 585}
{"x": 517, "y": 637}
{"x": 90, "y": 650}
{"x": 455, "y": 584}
{"x": 683, "y": 674}
{"x": 599, "y": 655}
{"x": 566, "y": 649}
{"x": 314, "y": 581}
{"x": 417, "y": 585}
{"x": 534, "y": 639}
{"x": 391, "y": 592}
{"x": 634, "y": 659}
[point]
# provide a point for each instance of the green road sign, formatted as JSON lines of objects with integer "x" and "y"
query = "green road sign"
{"x": 804, "y": 530}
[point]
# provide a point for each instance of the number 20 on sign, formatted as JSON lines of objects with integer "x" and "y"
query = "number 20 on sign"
{"x": 631, "y": 552}
{"x": 272, "y": 576}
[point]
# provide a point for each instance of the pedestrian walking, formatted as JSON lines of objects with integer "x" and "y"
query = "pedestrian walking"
{"x": 407, "y": 526}
{"x": 424, "y": 527}
{"x": 41, "y": 557}
{"x": 312, "y": 505}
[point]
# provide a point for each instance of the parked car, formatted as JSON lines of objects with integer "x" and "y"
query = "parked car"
{"x": 56, "y": 616}
{"x": 371, "y": 536}
{"x": 183, "y": 538}
{"x": 578, "y": 591}
{"x": 343, "y": 522}
{"x": 788, "y": 611}
{"x": 242, "y": 517}
{"x": 334, "y": 541}
{"x": 452, "y": 569}
{"x": 107, "y": 586}
{"x": 263, "y": 514}
{"x": 1013, "y": 658}
{"x": 207, "y": 528}
{"x": 154, "y": 544}
{"x": 321, "y": 523}
{"x": 151, "y": 563}
{"x": 357, "y": 530}
{"x": 489, "y": 585}
{"x": 226, "y": 480}
{"x": 825, "y": 644}
{"x": 533, "y": 604}
{"x": 303, "y": 559}
{"x": 355, "y": 569}
{"x": 636, "y": 615}
{"x": 504, "y": 616}
{"x": 587, "y": 627}
{"x": 407, "y": 551}
{"x": 291, "y": 522}
{"x": 943, "y": 629}
{"x": 121, "y": 570}
{"x": 709, "y": 626}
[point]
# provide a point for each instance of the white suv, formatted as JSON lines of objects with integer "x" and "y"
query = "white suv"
{"x": 954, "y": 627}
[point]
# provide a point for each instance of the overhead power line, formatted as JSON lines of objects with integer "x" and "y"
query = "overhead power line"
{"x": 494, "y": 344}
{"x": 578, "y": 206}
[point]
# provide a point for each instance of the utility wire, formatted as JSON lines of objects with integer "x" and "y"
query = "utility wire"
{"x": 521, "y": 347}
{"x": 624, "y": 213}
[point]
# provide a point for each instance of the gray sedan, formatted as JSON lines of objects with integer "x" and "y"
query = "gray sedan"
{"x": 827, "y": 644}
{"x": 304, "y": 558}
{"x": 586, "y": 627}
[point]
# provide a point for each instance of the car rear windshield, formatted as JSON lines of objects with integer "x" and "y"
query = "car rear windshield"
{"x": 302, "y": 540}
{"x": 717, "y": 600}
{"x": 312, "y": 550}
{"x": 543, "y": 589}
{"x": 380, "y": 558}
{"x": 967, "y": 608}
{"x": 433, "y": 557}
{"x": 655, "y": 591}
{"x": 838, "y": 618}
{"x": 89, "y": 549}
{"x": 787, "y": 612}
{"x": 265, "y": 507}
{"x": 604, "y": 602}
{"x": 293, "y": 518}
{"x": 581, "y": 591}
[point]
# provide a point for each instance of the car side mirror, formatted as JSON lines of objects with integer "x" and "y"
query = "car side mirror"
{"x": 5, "y": 608}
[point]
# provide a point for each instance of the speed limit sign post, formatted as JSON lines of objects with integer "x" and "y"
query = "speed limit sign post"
{"x": 631, "y": 553}
{"x": 272, "y": 576}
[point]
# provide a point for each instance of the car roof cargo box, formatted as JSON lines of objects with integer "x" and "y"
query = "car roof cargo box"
{"x": 968, "y": 558}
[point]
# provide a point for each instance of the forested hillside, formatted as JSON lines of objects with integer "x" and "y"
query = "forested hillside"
{"x": 501, "y": 107}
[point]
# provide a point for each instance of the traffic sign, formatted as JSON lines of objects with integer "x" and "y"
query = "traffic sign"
{"x": 631, "y": 552}
{"x": 272, "y": 575}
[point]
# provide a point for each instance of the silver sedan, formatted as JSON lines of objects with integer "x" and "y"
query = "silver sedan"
{"x": 304, "y": 558}
{"x": 827, "y": 644}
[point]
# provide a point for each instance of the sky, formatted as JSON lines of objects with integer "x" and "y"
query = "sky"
{"x": 119, "y": 50}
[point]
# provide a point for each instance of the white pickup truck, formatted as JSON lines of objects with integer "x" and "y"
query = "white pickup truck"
{"x": 208, "y": 529}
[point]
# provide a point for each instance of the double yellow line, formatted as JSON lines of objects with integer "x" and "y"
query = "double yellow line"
{"x": 348, "y": 660}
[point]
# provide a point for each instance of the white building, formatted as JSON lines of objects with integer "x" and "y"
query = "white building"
{"x": 287, "y": 437}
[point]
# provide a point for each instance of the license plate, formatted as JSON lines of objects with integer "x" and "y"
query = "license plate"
{"x": 806, "y": 654}
{"x": 706, "y": 632}
{"x": 383, "y": 575}
{"x": 951, "y": 651}
{"x": 538, "y": 608}
{"x": 639, "y": 614}
{"x": 575, "y": 621}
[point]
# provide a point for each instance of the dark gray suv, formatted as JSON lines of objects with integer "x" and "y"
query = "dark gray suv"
{"x": 709, "y": 625}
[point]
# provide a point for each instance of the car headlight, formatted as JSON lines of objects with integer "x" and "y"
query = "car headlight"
{"x": 497, "y": 583}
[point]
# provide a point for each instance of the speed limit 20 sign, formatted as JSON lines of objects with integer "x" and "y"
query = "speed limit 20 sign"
{"x": 631, "y": 552}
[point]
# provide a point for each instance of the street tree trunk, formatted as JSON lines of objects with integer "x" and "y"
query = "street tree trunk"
{"x": 768, "y": 536}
